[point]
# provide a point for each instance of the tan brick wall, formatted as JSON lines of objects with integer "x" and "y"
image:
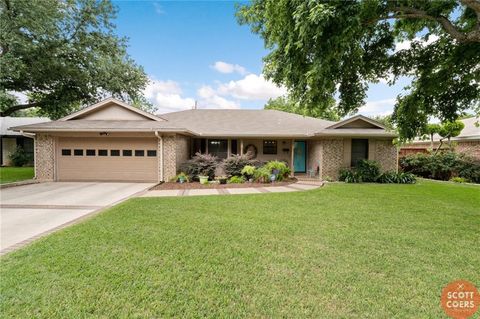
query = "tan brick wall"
{"x": 169, "y": 157}
{"x": 44, "y": 157}
{"x": 183, "y": 150}
{"x": 332, "y": 158}
{"x": 471, "y": 148}
{"x": 386, "y": 155}
{"x": 314, "y": 149}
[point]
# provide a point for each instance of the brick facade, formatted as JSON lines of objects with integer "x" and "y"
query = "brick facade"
{"x": 470, "y": 148}
{"x": 44, "y": 157}
{"x": 386, "y": 155}
{"x": 331, "y": 159}
{"x": 169, "y": 157}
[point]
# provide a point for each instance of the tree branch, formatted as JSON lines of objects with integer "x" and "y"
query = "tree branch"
{"x": 18, "y": 107}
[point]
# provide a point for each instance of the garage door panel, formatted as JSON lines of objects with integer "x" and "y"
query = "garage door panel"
{"x": 107, "y": 168}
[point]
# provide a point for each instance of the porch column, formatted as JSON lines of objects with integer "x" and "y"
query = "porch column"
{"x": 229, "y": 147}
{"x": 292, "y": 151}
{"x": 241, "y": 147}
{"x": 206, "y": 146}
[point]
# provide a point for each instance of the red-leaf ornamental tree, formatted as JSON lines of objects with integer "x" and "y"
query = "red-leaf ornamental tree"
{"x": 322, "y": 48}
{"x": 63, "y": 54}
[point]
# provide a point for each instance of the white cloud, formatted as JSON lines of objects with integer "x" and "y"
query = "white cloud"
{"x": 21, "y": 97}
{"x": 405, "y": 45}
{"x": 210, "y": 99}
{"x": 251, "y": 87}
{"x": 158, "y": 8}
{"x": 379, "y": 107}
{"x": 166, "y": 96}
{"x": 224, "y": 67}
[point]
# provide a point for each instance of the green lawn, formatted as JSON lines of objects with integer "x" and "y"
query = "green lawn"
{"x": 14, "y": 174}
{"x": 343, "y": 251}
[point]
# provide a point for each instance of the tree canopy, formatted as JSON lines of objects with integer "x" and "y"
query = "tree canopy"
{"x": 286, "y": 104}
{"x": 63, "y": 54}
{"x": 323, "y": 49}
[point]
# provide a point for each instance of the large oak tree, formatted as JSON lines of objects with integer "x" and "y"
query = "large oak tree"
{"x": 63, "y": 54}
{"x": 325, "y": 48}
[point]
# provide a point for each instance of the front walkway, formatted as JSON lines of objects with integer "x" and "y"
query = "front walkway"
{"x": 295, "y": 187}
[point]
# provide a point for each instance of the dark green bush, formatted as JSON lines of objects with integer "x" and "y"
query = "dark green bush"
{"x": 396, "y": 178}
{"x": 442, "y": 166}
{"x": 200, "y": 164}
{"x": 367, "y": 170}
{"x": 234, "y": 164}
{"x": 19, "y": 157}
{"x": 349, "y": 175}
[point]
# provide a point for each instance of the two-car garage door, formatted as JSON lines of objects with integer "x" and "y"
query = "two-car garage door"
{"x": 107, "y": 159}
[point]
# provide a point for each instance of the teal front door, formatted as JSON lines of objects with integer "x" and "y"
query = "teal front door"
{"x": 299, "y": 157}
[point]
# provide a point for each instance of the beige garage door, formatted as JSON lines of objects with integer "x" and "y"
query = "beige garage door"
{"x": 107, "y": 159}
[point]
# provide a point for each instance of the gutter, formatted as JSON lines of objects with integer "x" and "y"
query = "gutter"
{"x": 30, "y": 135}
{"x": 160, "y": 138}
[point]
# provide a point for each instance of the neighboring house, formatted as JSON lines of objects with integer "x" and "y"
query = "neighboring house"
{"x": 9, "y": 140}
{"x": 113, "y": 141}
{"x": 468, "y": 142}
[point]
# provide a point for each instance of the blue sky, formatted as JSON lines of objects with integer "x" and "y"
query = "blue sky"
{"x": 195, "y": 50}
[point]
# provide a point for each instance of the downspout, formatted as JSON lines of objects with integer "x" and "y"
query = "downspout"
{"x": 160, "y": 138}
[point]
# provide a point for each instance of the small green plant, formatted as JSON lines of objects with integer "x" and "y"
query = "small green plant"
{"x": 348, "y": 175}
{"x": 280, "y": 169}
{"x": 19, "y": 157}
{"x": 396, "y": 178}
{"x": 236, "y": 180}
{"x": 262, "y": 175}
{"x": 249, "y": 171}
{"x": 367, "y": 170}
{"x": 181, "y": 178}
{"x": 459, "y": 180}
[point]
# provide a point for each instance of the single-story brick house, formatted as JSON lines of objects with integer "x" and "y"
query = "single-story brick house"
{"x": 468, "y": 142}
{"x": 113, "y": 141}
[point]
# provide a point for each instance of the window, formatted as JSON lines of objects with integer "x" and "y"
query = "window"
{"x": 102, "y": 153}
{"x": 218, "y": 148}
{"x": 139, "y": 153}
{"x": 233, "y": 147}
{"x": 152, "y": 153}
{"x": 78, "y": 152}
{"x": 199, "y": 145}
{"x": 114, "y": 152}
{"x": 359, "y": 150}
{"x": 66, "y": 152}
{"x": 127, "y": 152}
{"x": 90, "y": 152}
{"x": 269, "y": 147}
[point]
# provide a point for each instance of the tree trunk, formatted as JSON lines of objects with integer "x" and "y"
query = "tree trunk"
{"x": 18, "y": 107}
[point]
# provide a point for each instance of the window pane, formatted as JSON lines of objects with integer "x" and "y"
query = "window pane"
{"x": 218, "y": 148}
{"x": 139, "y": 153}
{"x": 66, "y": 152}
{"x": 359, "y": 150}
{"x": 114, "y": 152}
{"x": 127, "y": 152}
{"x": 102, "y": 153}
{"x": 78, "y": 152}
{"x": 269, "y": 147}
{"x": 152, "y": 153}
{"x": 90, "y": 152}
{"x": 233, "y": 147}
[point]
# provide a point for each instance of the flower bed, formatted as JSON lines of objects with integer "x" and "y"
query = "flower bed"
{"x": 196, "y": 185}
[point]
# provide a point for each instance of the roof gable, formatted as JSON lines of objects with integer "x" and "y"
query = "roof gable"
{"x": 111, "y": 109}
{"x": 357, "y": 121}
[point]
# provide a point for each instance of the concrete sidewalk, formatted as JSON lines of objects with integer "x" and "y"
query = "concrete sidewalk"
{"x": 295, "y": 187}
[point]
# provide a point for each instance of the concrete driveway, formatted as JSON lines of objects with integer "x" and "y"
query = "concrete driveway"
{"x": 30, "y": 211}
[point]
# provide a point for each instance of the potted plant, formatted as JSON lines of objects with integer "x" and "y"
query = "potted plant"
{"x": 249, "y": 171}
{"x": 222, "y": 179}
{"x": 182, "y": 178}
{"x": 203, "y": 178}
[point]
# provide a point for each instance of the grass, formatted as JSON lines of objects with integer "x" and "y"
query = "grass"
{"x": 15, "y": 174}
{"x": 343, "y": 251}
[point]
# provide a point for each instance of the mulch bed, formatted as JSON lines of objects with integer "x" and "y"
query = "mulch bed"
{"x": 197, "y": 185}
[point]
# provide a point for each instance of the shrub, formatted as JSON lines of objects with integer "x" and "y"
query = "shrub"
{"x": 368, "y": 171}
{"x": 262, "y": 175}
{"x": 200, "y": 164}
{"x": 349, "y": 175}
{"x": 281, "y": 167}
{"x": 236, "y": 180}
{"x": 179, "y": 176}
{"x": 442, "y": 166}
{"x": 19, "y": 157}
{"x": 458, "y": 180}
{"x": 249, "y": 171}
{"x": 234, "y": 164}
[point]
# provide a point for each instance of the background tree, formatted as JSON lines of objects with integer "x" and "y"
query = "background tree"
{"x": 323, "y": 48}
{"x": 431, "y": 130}
{"x": 63, "y": 54}
{"x": 288, "y": 105}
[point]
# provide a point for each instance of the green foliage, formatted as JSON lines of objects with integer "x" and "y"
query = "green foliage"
{"x": 349, "y": 175}
{"x": 249, "y": 171}
{"x": 262, "y": 175}
{"x": 386, "y": 121}
{"x": 321, "y": 49}
{"x": 236, "y": 180}
{"x": 64, "y": 54}
{"x": 451, "y": 129}
{"x": 289, "y": 105}
{"x": 367, "y": 170}
{"x": 181, "y": 176}
{"x": 442, "y": 166}
{"x": 234, "y": 164}
{"x": 396, "y": 178}
{"x": 282, "y": 169}
{"x": 459, "y": 180}
{"x": 200, "y": 164}
{"x": 19, "y": 157}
